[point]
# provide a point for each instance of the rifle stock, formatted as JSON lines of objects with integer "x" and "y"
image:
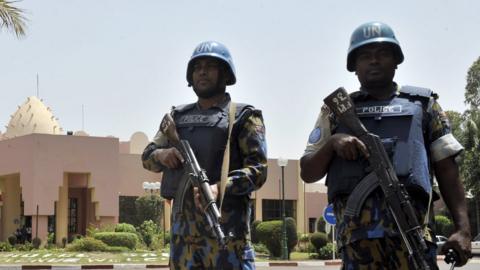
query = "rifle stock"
{"x": 396, "y": 196}
{"x": 196, "y": 177}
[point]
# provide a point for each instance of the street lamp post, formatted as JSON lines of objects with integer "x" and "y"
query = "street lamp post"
{"x": 282, "y": 162}
{"x": 154, "y": 187}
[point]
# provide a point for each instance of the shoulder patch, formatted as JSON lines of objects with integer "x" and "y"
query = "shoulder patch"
{"x": 315, "y": 135}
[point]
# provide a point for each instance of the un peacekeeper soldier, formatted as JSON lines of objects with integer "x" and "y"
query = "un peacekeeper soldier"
{"x": 417, "y": 136}
{"x": 205, "y": 125}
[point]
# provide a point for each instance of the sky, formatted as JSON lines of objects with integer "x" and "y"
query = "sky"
{"x": 124, "y": 61}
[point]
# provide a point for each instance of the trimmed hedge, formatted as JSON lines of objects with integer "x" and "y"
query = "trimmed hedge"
{"x": 125, "y": 227}
{"x": 253, "y": 231}
{"x": 270, "y": 234}
{"x": 87, "y": 244}
{"x": 443, "y": 225}
{"x": 118, "y": 239}
{"x": 318, "y": 240}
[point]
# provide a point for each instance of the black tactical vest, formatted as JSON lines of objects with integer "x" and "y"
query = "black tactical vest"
{"x": 399, "y": 122}
{"x": 206, "y": 131}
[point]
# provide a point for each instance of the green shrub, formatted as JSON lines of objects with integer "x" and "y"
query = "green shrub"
{"x": 149, "y": 207}
{"x": 36, "y": 242}
{"x": 118, "y": 239}
{"x": 318, "y": 240}
{"x": 74, "y": 237}
{"x": 125, "y": 227}
{"x": 12, "y": 239}
{"x": 253, "y": 231}
{"x": 326, "y": 252}
{"x": 261, "y": 249}
{"x": 51, "y": 238}
{"x": 87, "y": 244}
{"x": 443, "y": 225}
{"x": 4, "y": 246}
{"x": 147, "y": 230}
{"x": 117, "y": 249}
{"x": 24, "y": 247}
{"x": 307, "y": 247}
{"x": 93, "y": 229}
{"x": 270, "y": 234}
{"x": 321, "y": 224}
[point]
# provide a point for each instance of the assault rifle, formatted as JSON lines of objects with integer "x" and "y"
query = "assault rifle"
{"x": 381, "y": 173}
{"x": 194, "y": 175}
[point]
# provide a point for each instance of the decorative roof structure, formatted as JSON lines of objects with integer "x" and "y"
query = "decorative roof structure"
{"x": 32, "y": 117}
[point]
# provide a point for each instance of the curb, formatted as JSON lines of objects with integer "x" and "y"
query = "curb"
{"x": 165, "y": 266}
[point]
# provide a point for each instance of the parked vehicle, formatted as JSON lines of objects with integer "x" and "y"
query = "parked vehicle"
{"x": 476, "y": 245}
{"x": 440, "y": 242}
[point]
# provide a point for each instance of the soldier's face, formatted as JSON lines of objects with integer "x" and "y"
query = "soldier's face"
{"x": 375, "y": 64}
{"x": 207, "y": 77}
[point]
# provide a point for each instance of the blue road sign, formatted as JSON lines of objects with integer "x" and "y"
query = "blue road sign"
{"x": 328, "y": 215}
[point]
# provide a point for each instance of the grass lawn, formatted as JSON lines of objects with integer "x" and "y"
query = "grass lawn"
{"x": 59, "y": 257}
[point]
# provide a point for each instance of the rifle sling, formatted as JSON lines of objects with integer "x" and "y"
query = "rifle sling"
{"x": 358, "y": 196}
{"x": 226, "y": 154}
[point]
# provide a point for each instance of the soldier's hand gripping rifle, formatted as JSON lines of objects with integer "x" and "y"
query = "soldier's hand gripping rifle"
{"x": 196, "y": 177}
{"x": 381, "y": 173}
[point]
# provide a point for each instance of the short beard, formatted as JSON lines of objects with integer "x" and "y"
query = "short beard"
{"x": 211, "y": 92}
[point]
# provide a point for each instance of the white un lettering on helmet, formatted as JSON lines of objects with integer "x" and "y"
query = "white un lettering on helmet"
{"x": 372, "y": 31}
{"x": 205, "y": 47}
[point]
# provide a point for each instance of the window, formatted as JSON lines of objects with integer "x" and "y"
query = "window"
{"x": 272, "y": 209}
{"x": 311, "y": 225}
{"x": 72, "y": 215}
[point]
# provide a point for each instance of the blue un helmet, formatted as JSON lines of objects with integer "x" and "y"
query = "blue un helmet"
{"x": 216, "y": 50}
{"x": 372, "y": 32}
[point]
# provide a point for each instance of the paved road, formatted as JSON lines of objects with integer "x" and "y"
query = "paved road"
{"x": 473, "y": 265}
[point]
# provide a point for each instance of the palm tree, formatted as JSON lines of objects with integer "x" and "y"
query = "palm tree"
{"x": 12, "y": 17}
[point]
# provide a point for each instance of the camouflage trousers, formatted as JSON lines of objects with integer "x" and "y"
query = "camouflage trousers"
{"x": 195, "y": 253}
{"x": 381, "y": 253}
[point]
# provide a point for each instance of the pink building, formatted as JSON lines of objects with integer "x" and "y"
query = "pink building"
{"x": 63, "y": 183}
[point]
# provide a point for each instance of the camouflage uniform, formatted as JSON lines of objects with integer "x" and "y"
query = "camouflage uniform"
{"x": 193, "y": 244}
{"x": 371, "y": 240}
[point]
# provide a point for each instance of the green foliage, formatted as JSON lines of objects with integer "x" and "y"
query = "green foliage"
{"x": 128, "y": 211}
{"x": 51, "y": 238}
{"x": 472, "y": 90}
{"x": 117, "y": 249}
{"x": 118, "y": 239}
{"x": 253, "y": 232}
{"x": 36, "y": 242}
{"x": 5, "y": 247}
{"x": 261, "y": 249}
{"x": 304, "y": 237}
{"x": 326, "y": 252}
{"x": 292, "y": 237}
{"x": 318, "y": 240}
{"x": 93, "y": 229}
{"x": 270, "y": 234}
{"x": 24, "y": 247}
{"x": 149, "y": 207}
{"x": 124, "y": 227}
{"x": 321, "y": 224}
{"x": 87, "y": 244}
{"x": 443, "y": 225}
{"x": 147, "y": 230}
{"x": 12, "y": 18}
{"x": 12, "y": 240}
